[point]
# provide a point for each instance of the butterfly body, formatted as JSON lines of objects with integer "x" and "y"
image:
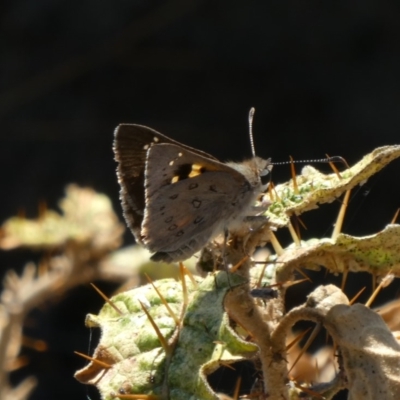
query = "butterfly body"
{"x": 176, "y": 198}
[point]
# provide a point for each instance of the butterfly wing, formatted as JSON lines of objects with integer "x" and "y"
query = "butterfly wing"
{"x": 131, "y": 144}
{"x": 188, "y": 199}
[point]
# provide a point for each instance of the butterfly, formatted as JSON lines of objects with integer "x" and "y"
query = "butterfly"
{"x": 176, "y": 198}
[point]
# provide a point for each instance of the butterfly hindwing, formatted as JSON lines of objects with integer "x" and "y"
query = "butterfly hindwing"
{"x": 188, "y": 198}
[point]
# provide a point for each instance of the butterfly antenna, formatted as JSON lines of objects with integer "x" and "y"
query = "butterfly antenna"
{"x": 319, "y": 160}
{"x": 251, "y": 116}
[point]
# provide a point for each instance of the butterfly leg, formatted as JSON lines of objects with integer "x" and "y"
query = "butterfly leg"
{"x": 224, "y": 260}
{"x": 224, "y": 246}
{"x": 255, "y": 222}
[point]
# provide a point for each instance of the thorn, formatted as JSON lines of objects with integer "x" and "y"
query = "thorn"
{"x": 94, "y": 360}
{"x": 301, "y": 222}
{"x": 334, "y": 261}
{"x": 275, "y": 244}
{"x": 17, "y": 363}
{"x": 270, "y": 192}
{"x": 314, "y": 333}
{"x": 237, "y": 388}
{"x": 297, "y": 339}
{"x": 280, "y": 284}
{"x": 187, "y": 272}
{"x": 113, "y": 395}
{"x": 276, "y": 193}
{"x": 344, "y": 278}
{"x": 293, "y": 234}
{"x": 36, "y": 344}
{"x": 291, "y": 283}
{"x": 162, "y": 298}
{"x": 160, "y": 336}
{"x": 293, "y": 172}
{"x": 285, "y": 284}
{"x": 385, "y": 282}
{"x": 373, "y": 281}
{"x": 354, "y": 299}
{"x": 302, "y": 273}
{"x": 396, "y": 215}
{"x": 258, "y": 284}
{"x": 226, "y": 365}
{"x": 333, "y": 166}
{"x": 239, "y": 264}
{"x": 185, "y": 295}
{"x": 106, "y": 299}
{"x": 340, "y": 217}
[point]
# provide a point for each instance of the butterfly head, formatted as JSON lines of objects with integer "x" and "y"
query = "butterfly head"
{"x": 256, "y": 171}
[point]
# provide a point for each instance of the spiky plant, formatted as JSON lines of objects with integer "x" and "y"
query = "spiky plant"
{"x": 167, "y": 339}
{"x": 164, "y": 343}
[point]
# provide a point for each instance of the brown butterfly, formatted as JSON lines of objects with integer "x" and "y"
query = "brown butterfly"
{"x": 176, "y": 198}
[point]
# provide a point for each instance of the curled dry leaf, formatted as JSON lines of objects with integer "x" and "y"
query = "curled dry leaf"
{"x": 390, "y": 312}
{"x": 371, "y": 354}
{"x": 377, "y": 254}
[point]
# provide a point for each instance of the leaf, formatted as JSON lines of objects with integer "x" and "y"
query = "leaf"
{"x": 316, "y": 188}
{"x": 371, "y": 354}
{"x": 131, "y": 348}
{"x": 205, "y": 341}
{"x": 129, "y": 343}
{"x": 87, "y": 217}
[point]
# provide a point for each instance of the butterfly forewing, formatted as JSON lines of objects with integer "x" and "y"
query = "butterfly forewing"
{"x": 131, "y": 145}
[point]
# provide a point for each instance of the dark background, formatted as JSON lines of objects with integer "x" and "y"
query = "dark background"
{"x": 323, "y": 76}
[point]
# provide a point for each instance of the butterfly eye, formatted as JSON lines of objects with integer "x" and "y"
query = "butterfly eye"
{"x": 264, "y": 176}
